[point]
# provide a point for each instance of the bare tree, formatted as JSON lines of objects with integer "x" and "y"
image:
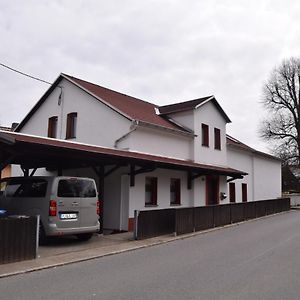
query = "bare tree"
{"x": 281, "y": 96}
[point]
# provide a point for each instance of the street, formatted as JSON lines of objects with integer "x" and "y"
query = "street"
{"x": 254, "y": 260}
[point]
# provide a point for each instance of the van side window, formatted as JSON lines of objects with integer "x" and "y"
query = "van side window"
{"x": 71, "y": 188}
{"x": 26, "y": 188}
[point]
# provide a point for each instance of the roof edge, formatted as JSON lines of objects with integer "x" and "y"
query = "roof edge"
{"x": 219, "y": 107}
{"x": 176, "y": 131}
{"x": 243, "y": 147}
{"x": 67, "y": 77}
{"x": 37, "y": 105}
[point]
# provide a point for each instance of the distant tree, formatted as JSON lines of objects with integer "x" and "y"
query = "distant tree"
{"x": 290, "y": 183}
{"x": 281, "y": 96}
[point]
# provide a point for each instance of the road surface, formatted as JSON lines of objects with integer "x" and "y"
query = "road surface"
{"x": 254, "y": 260}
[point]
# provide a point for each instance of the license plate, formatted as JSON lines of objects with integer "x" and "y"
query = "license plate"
{"x": 68, "y": 216}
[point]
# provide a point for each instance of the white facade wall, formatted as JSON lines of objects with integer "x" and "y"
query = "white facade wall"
{"x": 264, "y": 175}
{"x": 242, "y": 160}
{"x": 185, "y": 118}
{"x": 137, "y": 193}
{"x": 158, "y": 142}
{"x": 97, "y": 124}
{"x": 209, "y": 115}
{"x": 267, "y": 178}
{"x": 199, "y": 190}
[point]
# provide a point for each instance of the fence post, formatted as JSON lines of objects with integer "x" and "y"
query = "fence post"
{"x": 38, "y": 220}
{"x": 135, "y": 230}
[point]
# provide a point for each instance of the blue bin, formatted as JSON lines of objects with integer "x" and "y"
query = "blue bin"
{"x": 2, "y": 212}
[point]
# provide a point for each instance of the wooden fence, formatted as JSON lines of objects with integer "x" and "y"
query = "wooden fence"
{"x": 186, "y": 220}
{"x": 18, "y": 239}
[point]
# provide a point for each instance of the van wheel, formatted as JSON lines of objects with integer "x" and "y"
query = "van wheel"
{"x": 84, "y": 236}
{"x": 42, "y": 235}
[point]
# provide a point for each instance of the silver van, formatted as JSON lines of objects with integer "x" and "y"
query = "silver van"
{"x": 66, "y": 205}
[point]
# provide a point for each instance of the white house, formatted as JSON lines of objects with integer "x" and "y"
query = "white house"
{"x": 191, "y": 132}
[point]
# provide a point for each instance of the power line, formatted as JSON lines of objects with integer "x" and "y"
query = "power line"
{"x": 24, "y": 74}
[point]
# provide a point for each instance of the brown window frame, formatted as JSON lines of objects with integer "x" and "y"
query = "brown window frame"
{"x": 71, "y": 125}
{"x": 52, "y": 127}
{"x": 217, "y": 133}
{"x": 205, "y": 135}
{"x": 175, "y": 189}
{"x": 244, "y": 192}
{"x": 151, "y": 187}
{"x": 232, "y": 194}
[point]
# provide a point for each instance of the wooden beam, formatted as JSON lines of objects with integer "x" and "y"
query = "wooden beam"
{"x": 25, "y": 171}
{"x": 32, "y": 172}
{"x": 113, "y": 169}
{"x": 190, "y": 178}
{"x": 234, "y": 178}
{"x": 145, "y": 170}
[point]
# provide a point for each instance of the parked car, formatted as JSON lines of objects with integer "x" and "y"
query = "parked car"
{"x": 66, "y": 205}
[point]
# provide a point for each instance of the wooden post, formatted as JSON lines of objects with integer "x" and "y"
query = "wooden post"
{"x": 100, "y": 172}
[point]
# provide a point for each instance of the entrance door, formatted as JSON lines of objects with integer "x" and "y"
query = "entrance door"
{"x": 212, "y": 190}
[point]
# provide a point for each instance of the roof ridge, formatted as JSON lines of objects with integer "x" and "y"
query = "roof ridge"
{"x": 187, "y": 101}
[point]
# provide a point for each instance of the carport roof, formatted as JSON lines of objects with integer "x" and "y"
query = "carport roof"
{"x": 36, "y": 152}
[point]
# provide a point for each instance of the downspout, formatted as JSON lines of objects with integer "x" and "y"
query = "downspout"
{"x": 133, "y": 127}
{"x": 60, "y": 102}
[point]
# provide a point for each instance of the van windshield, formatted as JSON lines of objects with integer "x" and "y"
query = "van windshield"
{"x": 72, "y": 188}
{"x": 25, "y": 188}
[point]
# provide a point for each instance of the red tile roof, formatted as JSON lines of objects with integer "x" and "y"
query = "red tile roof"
{"x": 5, "y": 128}
{"x": 234, "y": 143}
{"x": 133, "y": 108}
{"x": 182, "y": 106}
{"x": 192, "y": 104}
{"x": 130, "y": 107}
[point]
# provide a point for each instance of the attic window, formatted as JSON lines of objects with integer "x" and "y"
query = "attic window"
{"x": 71, "y": 125}
{"x": 52, "y": 127}
{"x": 205, "y": 136}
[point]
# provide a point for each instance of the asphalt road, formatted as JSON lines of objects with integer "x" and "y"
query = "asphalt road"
{"x": 254, "y": 260}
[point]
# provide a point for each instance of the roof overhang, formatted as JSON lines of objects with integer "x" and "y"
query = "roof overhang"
{"x": 39, "y": 152}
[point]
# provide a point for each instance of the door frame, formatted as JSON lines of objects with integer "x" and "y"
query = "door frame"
{"x": 212, "y": 179}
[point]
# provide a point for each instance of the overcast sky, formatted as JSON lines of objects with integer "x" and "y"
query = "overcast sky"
{"x": 162, "y": 51}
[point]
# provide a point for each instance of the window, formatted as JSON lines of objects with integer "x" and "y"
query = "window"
{"x": 32, "y": 188}
{"x": 151, "y": 191}
{"x": 72, "y": 188}
{"x": 205, "y": 136}
{"x": 52, "y": 127}
{"x": 244, "y": 192}
{"x": 217, "y": 139}
{"x": 175, "y": 191}
{"x": 71, "y": 125}
{"x": 232, "y": 192}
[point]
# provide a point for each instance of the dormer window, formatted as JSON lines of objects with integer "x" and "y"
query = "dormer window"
{"x": 217, "y": 139}
{"x": 205, "y": 135}
{"x": 71, "y": 125}
{"x": 52, "y": 127}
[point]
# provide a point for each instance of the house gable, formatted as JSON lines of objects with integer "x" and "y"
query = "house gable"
{"x": 93, "y": 117}
{"x": 207, "y": 117}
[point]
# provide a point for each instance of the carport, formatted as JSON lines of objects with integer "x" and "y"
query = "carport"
{"x": 32, "y": 153}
